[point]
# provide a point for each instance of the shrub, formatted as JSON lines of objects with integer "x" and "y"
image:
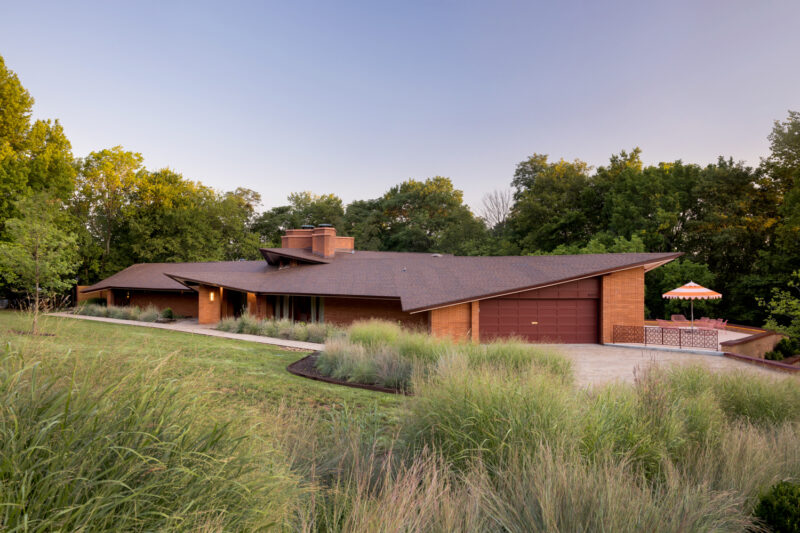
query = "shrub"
{"x": 300, "y": 331}
{"x": 95, "y": 301}
{"x": 229, "y": 324}
{"x": 317, "y": 332}
{"x": 269, "y": 328}
{"x": 774, "y": 355}
{"x": 779, "y": 508}
{"x": 120, "y": 313}
{"x": 91, "y": 310}
{"x": 788, "y": 347}
{"x": 249, "y": 325}
{"x": 167, "y": 313}
{"x": 149, "y": 314}
{"x": 285, "y": 329}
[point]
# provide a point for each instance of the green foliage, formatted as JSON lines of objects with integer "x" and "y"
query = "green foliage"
{"x": 784, "y": 308}
{"x": 671, "y": 276}
{"x": 788, "y": 347}
{"x": 283, "y": 329}
{"x": 134, "y": 456}
{"x": 167, "y": 313}
{"x": 304, "y": 208}
{"x": 39, "y": 258}
{"x": 779, "y": 508}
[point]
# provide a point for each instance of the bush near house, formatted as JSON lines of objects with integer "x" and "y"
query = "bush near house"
{"x": 148, "y": 314}
{"x": 281, "y": 329}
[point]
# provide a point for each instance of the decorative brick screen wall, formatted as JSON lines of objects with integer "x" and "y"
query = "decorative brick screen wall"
{"x": 621, "y": 301}
{"x": 454, "y": 321}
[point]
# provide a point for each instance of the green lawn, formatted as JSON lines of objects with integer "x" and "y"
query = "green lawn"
{"x": 238, "y": 380}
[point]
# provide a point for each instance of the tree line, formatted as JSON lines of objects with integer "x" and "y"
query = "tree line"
{"x": 738, "y": 226}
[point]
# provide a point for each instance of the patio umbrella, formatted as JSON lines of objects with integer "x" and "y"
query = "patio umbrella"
{"x": 692, "y": 291}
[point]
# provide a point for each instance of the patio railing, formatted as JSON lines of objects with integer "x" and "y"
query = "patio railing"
{"x": 656, "y": 335}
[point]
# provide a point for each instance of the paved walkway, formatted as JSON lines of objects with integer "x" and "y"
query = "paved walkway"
{"x": 191, "y": 326}
{"x": 597, "y": 364}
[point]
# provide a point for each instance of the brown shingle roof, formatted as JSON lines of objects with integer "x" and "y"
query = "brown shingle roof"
{"x": 420, "y": 281}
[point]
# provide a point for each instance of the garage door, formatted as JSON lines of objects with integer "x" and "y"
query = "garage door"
{"x": 542, "y": 320}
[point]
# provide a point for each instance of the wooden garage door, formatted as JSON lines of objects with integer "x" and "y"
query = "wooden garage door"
{"x": 542, "y": 320}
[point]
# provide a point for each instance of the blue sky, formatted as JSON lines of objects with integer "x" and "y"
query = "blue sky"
{"x": 353, "y": 97}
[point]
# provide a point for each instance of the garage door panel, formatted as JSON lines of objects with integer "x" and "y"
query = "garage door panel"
{"x": 541, "y": 320}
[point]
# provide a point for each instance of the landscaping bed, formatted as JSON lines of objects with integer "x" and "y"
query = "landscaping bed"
{"x": 307, "y": 368}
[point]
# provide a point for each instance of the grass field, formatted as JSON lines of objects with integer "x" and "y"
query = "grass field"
{"x": 236, "y": 378}
{"x": 107, "y": 427}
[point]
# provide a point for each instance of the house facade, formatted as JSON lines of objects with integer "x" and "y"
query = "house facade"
{"x": 318, "y": 276}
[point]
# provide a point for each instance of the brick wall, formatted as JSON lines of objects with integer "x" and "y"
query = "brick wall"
{"x": 476, "y": 324}
{"x": 454, "y": 321}
{"x": 754, "y": 345}
{"x": 622, "y": 301}
{"x": 182, "y": 303}
{"x": 208, "y": 312}
{"x": 83, "y": 296}
{"x": 347, "y": 310}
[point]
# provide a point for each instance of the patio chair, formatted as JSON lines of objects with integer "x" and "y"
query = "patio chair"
{"x": 721, "y": 324}
{"x": 678, "y": 318}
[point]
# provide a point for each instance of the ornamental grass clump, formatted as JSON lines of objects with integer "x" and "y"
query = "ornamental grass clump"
{"x": 372, "y": 333}
{"x": 149, "y": 314}
{"x": 486, "y": 413}
{"x": 136, "y": 456}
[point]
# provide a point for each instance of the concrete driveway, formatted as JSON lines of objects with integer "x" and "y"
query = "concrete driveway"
{"x": 597, "y": 364}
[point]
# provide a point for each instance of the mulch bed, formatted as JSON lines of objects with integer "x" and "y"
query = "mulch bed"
{"x": 305, "y": 368}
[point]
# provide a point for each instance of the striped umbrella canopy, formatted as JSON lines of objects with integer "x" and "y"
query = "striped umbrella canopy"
{"x": 692, "y": 291}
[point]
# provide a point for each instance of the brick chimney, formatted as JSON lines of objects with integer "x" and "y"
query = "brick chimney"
{"x": 321, "y": 241}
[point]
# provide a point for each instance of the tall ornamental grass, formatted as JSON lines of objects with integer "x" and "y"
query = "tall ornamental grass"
{"x": 281, "y": 329}
{"x": 132, "y": 457}
{"x": 148, "y": 314}
{"x": 383, "y": 353}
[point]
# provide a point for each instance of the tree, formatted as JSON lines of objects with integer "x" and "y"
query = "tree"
{"x": 33, "y": 157}
{"x": 497, "y": 207}
{"x": 39, "y": 258}
{"x": 417, "y": 214}
{"x": 304, "y": 208}
{"x": 554, "y": 204}
{"x": 105, "y": 181}
{"x": 784, "y": 308}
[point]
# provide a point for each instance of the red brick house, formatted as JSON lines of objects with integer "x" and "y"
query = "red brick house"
{"x": 316, "y": 276}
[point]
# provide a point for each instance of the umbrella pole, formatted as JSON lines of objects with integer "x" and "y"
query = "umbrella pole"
{"x": 692, "y": 302}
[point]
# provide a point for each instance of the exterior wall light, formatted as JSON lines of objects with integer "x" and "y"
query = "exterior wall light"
{"x": 211, "y": 296}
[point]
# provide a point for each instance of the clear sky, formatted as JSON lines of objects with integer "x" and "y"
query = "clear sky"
{"x": 353, "y": 97}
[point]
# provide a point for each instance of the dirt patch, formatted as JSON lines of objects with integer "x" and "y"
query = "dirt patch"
{"x": 306, "y": 368}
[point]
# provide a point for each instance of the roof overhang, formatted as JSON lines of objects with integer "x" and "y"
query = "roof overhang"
{"x": 273, "y": 256}
{"x": 648, "y": 266}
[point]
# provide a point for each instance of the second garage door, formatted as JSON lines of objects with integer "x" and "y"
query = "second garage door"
{"x": 540, "y": 320}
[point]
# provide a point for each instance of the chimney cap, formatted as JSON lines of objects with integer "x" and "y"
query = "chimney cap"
{"x": 307, "y": 226}
{"x": 324, "y": 225}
